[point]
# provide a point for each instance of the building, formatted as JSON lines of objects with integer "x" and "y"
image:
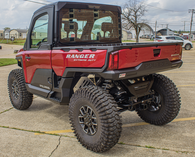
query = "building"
{"x": 193, "y": 36}
{"x": 6, "y": 34}
{"x": 146, "y": 31}
{"x": 165, "y": 31}
{"x": 18, "y": 33}
{"x": 126, "y": 35}
{"x": 1, "y": 34}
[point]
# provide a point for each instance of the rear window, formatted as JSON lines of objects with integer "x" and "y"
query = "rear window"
{"x": 89, "y": 25}
{"x": 178, "y": 38}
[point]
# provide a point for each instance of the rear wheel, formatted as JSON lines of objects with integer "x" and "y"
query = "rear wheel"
{"x": 166, "y": 103}
{"x": 94, "y": 118}
{"x": 20, "y": 98}
{"x": 188, "y": 47}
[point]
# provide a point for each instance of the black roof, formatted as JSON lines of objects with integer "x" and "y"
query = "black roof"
{"x": 79, "y": 5}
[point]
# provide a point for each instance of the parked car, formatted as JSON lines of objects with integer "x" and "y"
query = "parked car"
{"x": 142, "y": 36}
{"x": 184, "y": 37}
{"x": 186, "y": 44}
{"x": 152, "y": 37}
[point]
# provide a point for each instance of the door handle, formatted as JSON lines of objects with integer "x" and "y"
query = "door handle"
{"x": 28, "y": 57}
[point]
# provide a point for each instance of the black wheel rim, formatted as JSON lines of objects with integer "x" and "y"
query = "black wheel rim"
{"x": 88, "y": 120}
{"x": 15, "y": 89}
{"x": 156, "y": 104}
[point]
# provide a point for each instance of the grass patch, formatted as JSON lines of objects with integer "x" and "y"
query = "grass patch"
{"x": 121, "y": 143}
{"x": 193, "y": 41}
{"x": 150, "y": 147}
{"x": 7, "y": 61}
{"x": 6, "y": 110}
{"x": 15, "y": 42}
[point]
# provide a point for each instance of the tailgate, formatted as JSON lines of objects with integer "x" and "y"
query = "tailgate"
{"x": 132, "y": 57}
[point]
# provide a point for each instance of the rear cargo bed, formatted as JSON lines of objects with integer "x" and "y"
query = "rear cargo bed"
{"x": 146, "y": 58}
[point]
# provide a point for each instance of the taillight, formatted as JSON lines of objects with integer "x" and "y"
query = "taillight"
{"x": 177, "y": 56}
{"x": 113, "y": 60}
{"x": 160, "y": 40}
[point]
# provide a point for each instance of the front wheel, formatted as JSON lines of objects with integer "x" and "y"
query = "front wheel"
{"x": 20, "y": 98}
{"x": 94, "y": 118}
{"x": 166, "y": 102}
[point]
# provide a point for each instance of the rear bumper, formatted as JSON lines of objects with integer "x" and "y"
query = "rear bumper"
{"x": 142, "y": 69}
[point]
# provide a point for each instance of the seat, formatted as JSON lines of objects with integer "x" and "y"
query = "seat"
{"x": 70, "y": 26}
{"x": 106, "y": 26}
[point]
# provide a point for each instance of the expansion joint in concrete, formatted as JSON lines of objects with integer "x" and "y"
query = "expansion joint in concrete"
{"x": 6, "y": 110}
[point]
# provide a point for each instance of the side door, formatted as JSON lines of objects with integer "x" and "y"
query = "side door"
{"x": 37, "y": 54}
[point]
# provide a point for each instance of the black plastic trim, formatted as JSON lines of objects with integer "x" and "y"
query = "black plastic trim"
{"x": 80, "y": 5}
{"x": 37, "y": 90}
{"x": 142, "y": 69}
{"x": 117, "y": 46}
{"x": 19, "y": 58}
{"x": 41, "y": 78}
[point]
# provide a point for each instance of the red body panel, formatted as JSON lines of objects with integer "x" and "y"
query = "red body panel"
{"x": 85, "y": 59}
{"x": 131, "y": 58}
{"x": 59, "y": 60}
{"x": 39, "y": 59}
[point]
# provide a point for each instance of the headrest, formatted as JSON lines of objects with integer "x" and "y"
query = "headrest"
{"x": 106, "y": 26}
{"x": 70, "y": 26}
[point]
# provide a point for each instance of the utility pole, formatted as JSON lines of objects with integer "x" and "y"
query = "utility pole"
{"x": 184, "y": 25}
{"x": 155, "y": 28}
{"x": 167, "y": 29}
{"x": 191, "y": 11}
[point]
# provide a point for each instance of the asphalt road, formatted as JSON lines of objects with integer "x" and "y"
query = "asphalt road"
{"x": 21, "y": 132}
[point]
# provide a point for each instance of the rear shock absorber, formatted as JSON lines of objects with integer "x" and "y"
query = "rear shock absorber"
{"x": 107, "y": 84}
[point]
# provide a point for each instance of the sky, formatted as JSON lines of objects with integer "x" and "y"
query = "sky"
{"x": 17, "y": 14}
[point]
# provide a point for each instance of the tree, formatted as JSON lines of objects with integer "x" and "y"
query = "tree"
{"x": 6, "y": 28}
{"x": 132, "y": 12}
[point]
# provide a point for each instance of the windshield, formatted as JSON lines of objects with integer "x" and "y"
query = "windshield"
{"x": 89, "y": 26}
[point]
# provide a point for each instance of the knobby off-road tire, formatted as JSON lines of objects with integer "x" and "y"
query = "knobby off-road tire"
{"x": 94, "y": 117}
{"x": 169, "y": 105}
{"x": 20, "y": 98}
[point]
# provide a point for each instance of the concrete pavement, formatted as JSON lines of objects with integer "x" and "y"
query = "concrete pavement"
{"x": 18, "y": 129}
{"x": 7, "y": 50}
